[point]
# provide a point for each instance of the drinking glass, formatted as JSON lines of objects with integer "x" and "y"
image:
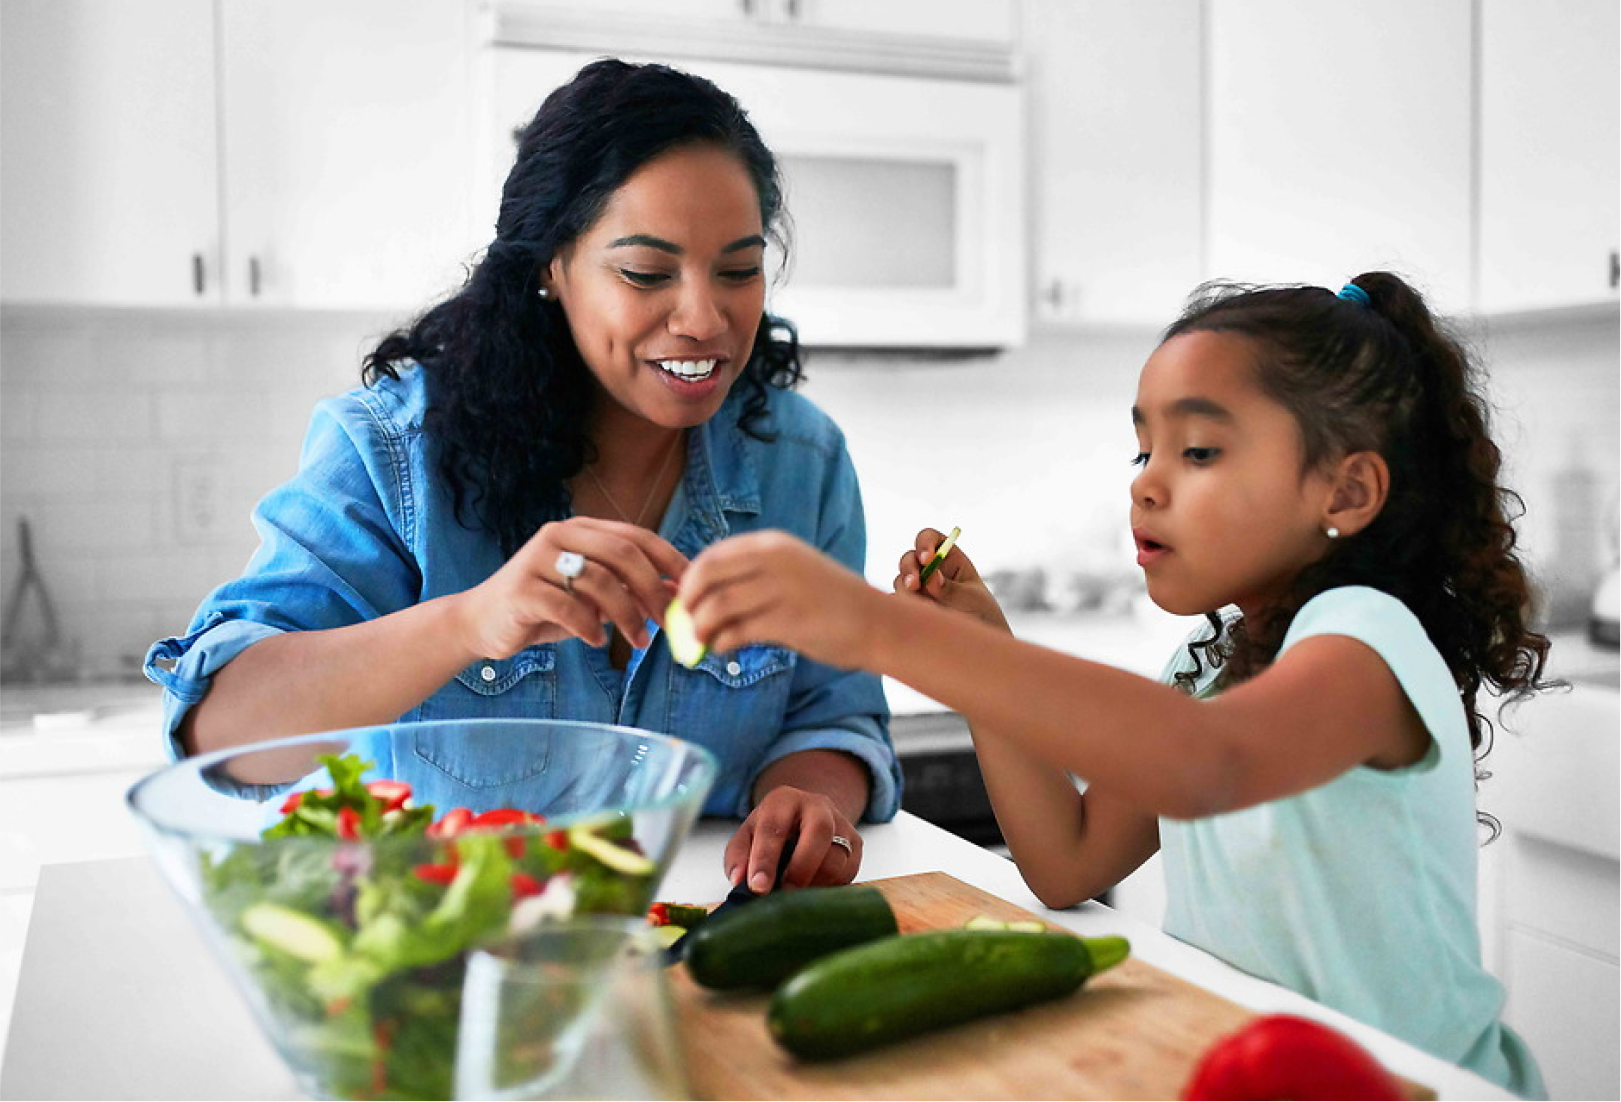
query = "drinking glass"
{"x": 574, "y": 1008}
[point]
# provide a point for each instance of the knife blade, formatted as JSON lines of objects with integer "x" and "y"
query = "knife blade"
{"x": 741, "y": 895}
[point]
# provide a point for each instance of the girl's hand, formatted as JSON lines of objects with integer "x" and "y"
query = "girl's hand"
{"x": 811, "y": 820}
{"x": 771, "y": 587}
{"x": 527, "y": 601}
{"x": 955, "y": 583}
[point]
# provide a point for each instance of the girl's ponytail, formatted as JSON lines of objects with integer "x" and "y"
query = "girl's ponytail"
{"x": 1488, "y": 598}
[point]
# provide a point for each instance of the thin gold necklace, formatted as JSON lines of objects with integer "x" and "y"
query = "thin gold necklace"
{"x": 658, "y": 480}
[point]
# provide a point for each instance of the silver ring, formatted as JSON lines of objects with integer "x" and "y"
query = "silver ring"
{"x": 843, "y": 843}
{"x": 570, "y": 565}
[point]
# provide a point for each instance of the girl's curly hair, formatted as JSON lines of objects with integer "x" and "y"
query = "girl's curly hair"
{"x": 509, "y": 397}
{"x": 1387, "y": 377}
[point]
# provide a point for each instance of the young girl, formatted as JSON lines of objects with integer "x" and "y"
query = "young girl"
{"x": 1315, "y": 475}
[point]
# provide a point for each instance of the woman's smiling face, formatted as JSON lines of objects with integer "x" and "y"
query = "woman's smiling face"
{"x": 1221, "y": 511}
{"x": 665, "y": 291}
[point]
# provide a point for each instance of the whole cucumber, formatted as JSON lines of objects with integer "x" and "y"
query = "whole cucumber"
{"x": 884, "y": 991}
{"x": 773, "y": 937}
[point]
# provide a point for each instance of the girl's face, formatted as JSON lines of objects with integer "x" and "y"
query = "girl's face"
{"x": 1221, "y": 511}
{"x": 664, "y": 292}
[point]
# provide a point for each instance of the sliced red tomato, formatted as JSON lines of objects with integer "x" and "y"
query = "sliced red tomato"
{"x": 659, "y": 914}
{"x": 435, "y": 874}
{"x": 348, "y": 824}
{"x": 391, "y": 793}
{"x": 557, "y": 839}
{"x": 451, "y": 823}
{"x": 501, "y": 817}
{"x": 524, "y": 885}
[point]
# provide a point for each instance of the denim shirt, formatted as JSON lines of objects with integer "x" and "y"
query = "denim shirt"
{"x": 367, "y": 527}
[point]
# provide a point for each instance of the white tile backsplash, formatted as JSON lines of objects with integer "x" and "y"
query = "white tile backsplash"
{"x": 107, "y": 418}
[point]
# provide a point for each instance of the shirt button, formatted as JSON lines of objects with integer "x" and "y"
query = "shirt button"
{"x": 733, "y": 668}
{"x": 487, "y": 673}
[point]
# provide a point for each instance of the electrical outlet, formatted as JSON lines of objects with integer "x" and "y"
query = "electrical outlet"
{"x": 198, "y": 504}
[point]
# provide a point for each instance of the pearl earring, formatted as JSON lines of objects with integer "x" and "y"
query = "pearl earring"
{"x": 1332, "y": 533}
{"x": 545, "y": 294}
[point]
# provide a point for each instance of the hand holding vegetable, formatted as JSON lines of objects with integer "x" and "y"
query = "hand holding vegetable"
{"x": 954, "y": 583}
{"x": 527, "y": 601}
{"x": 771, "y": 587}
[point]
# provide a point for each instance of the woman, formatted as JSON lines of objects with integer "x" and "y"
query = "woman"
{"x": 487, "y": 526}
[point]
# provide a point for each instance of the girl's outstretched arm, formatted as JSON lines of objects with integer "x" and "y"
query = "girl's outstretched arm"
{"x": 1329, "y": 704}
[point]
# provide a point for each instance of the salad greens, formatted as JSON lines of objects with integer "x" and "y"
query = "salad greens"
{"x": 358, "y": 950}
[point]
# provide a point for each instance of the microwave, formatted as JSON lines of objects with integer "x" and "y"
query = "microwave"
{"x": 905, "y": 193}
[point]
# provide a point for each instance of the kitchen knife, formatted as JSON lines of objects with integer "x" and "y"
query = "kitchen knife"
{"x": 739, "y": 896}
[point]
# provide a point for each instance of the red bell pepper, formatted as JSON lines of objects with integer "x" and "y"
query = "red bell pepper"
{"x": 524, "y": 885}
{"x": 348, "y": 824}
{"x": 1283, "y": 1056}
{"x": 658, "y": 914}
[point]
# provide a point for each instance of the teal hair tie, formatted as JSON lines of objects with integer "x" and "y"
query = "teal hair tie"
{"x": 1352, "y": 293}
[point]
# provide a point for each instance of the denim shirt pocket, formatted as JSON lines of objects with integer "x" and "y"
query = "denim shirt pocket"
{"x": 734, "y": 705}
{"x": 521, "y": 687}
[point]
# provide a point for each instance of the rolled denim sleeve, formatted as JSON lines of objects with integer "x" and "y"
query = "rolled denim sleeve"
{"x": 838, "y": 709}
{"x": 330, "y": 554}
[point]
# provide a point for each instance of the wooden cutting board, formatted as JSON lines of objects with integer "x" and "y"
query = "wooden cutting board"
{"x": 1132, "y": 1032}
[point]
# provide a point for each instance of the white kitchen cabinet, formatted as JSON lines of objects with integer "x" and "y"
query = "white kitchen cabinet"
{"x": 1558, "y": 908}
{"x": 972, "y": 41}
{"x": 109, "y": 185}
{"x": 1340, "y": 140}
{"x": 62, "y": 800}
{"x": 1116, "y": 124}
{"x": 288, "y": 153}
{"x": 1549, "y": 152}
{"x": 981, "y": 20}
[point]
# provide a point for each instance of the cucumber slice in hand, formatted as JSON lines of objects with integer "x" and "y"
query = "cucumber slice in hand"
{"x": 940, "y": 554}
{"x": 682, "y": 636}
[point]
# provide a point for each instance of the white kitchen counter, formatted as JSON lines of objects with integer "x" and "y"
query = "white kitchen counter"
{"x": 119, "y": 996}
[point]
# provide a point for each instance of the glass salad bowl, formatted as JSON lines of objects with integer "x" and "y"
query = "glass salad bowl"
{"x": 345, "y": 877}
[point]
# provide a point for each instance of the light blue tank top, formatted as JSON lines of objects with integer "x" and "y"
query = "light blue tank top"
{"x": 1360, "y": 893}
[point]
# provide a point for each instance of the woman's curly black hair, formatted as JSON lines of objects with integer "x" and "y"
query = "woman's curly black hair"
{"x": 1387, "y": 377}
{"x": 509, "y": 398}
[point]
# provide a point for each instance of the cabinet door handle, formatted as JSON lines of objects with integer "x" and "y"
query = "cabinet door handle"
{"x": 253, "y": 276}
{"x": 1615, "y": 269}
{"x": 198, "y": 283}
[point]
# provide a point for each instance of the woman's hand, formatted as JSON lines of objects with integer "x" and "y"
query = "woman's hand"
{"x": 810, "y": 820}
{"x": 955, "y": 583}
{"x": 771, "y": 587}
{"x": 528, "y": 601}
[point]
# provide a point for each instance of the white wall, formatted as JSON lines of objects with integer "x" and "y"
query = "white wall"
{"x": 136, "y": 443}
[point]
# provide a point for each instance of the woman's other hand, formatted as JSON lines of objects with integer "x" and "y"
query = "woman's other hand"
{"x": 769, "y": 587}
{"x": 529, "y": 601}
{"x": 955, "y": 583}
{"x": 811, "y": 822}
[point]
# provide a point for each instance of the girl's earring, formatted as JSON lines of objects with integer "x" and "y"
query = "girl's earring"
{"x": 1332, "y": 533}
{"x": 545, "y": 294}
